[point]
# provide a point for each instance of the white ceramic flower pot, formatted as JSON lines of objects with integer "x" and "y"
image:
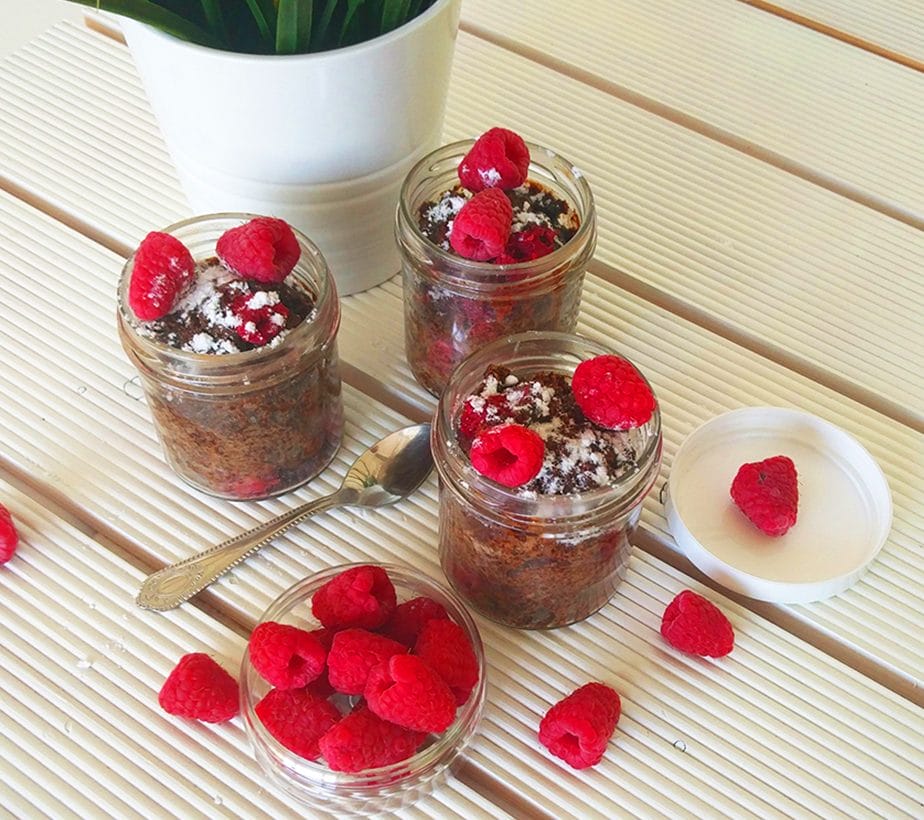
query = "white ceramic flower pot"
{"x": 322, "y": 140}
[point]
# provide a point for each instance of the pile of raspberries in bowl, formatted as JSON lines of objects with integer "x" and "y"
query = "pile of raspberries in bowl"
{"x": 361, "y": 686}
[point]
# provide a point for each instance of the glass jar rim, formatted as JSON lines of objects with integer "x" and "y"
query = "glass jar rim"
{"x": 472, "y": 271}
{"x": 425, "y": 760}
{"x": 327, "y": 307}
{"x": 560, "y": 511}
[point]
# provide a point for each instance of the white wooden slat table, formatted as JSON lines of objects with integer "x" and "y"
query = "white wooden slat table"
{"x": 667, "y": 698}
{"x": 772, "y": 88}
{"x": 693, "y": 224}
{"x": 82, "y": 733}
{"x": 892, "y": 28}
{"x": 781, "y": 728}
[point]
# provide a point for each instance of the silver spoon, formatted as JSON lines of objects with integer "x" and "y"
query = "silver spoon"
{"x": 388, "y": 471}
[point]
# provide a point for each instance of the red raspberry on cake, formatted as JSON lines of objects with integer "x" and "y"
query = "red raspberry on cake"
{"x": 199, "y": 688}
{"x": 363, "y": 597}
{"x": 530, "y": 243}
{"x": 297, "y": 719}
{"x": 482, "y": 227}
{"x": 410, "y": 617}
{"x": 446, "y": 647}
{"x": 767, "y": 492}
{"x": 162, "y": 269}
{"x": 407, "y": 691}
{"x": 9, "y": 537}
{"x": 285, "y": 656}
{"x": 578, "y": 728}
{"x": 353, "y": 653}
{"x": 362, "y": 740}
{"x": 265, "y": 249}
{"x": 693, "y": 624}
{"x": 612, "y": 393}
{"x": 260, "y": 316}
{"x": 477, "y": 413}
{"x": 510, "y": 454}
{"x": 498, "y": 159}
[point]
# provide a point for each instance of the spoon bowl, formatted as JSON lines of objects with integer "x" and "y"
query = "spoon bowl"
{"x": 391, "y": 469}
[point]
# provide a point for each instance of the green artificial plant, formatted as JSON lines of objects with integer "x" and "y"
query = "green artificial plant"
{"x": 269, "y": 26}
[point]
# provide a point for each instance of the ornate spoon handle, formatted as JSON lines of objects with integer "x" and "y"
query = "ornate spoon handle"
{"x": 171, "y": 586}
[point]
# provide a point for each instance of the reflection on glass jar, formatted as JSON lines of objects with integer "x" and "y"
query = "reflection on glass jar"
{"x": 522, "y": 559}
{"x": 252, "y": 424}
{"x": 454, "y": 306}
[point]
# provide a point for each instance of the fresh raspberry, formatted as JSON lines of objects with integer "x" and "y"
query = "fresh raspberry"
{"x": 362, "y": 740}
{"x": 286, "y": 656}
{"x": 498, "y": 159}
{"x": 481, "y": 228}
{"x": 510, "y": 454}
{"x": 767, "y": 492}
{"x": 9, "y": 538}
{"x": 264, "y": 249}
{"x": 161, "y": 271}
{"x": 199, "y": 688}
{"x": 693, "y": 624}
{"x": 530, "y": 243}
{"x": 477, "y": 413}
{"x": 353, "y": 653}
{"x": 297, "y": 719}
{"x": 406, "y": 690}
{"x": 260, "y": 316}
{"x": 409, "y": 618}
{"x": 612, "y": 393}
{"x": 578, "y": 728}
{"x": 363, "y": 597}
{"x": 446, "y": 647}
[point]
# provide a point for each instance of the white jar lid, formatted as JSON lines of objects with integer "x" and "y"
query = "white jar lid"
{"x": 845, "y": 507}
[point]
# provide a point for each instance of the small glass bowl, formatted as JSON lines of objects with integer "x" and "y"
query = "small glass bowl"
{"x": 371, "y": 791}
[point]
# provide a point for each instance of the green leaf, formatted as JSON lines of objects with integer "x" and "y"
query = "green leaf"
{"x": 160, "y": 18}
{"x": 322, "y": 25}
{"x": 394, "y": 13}
{"x": 293, "y": 26}
{"x": 213, "y": 18}
{"x": 264, "y": 15}
{"x": 352, "y": 6}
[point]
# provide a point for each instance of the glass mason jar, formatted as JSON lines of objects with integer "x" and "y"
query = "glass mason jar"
{"x": 526, "y": 560}
{"x": 253, "y": 424}
{"x": 454, "y": 306}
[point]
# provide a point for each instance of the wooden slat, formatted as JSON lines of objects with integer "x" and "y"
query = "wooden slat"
{"x": 698, "y": 738}
{"x": 894, "y": 29}
{"x": 843, "y": 115}
{"x": 80, "y": 727}
{"x": 776, "y": 263}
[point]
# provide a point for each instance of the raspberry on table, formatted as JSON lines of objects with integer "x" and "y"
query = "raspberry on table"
{"x": 260, "y": 318}
{"x": 612, "y": 393}
{"x": 767, "y": 492}
{"x": 498, "y": 159}
{"x": 285, "y": 656}
{"x": 578, "y": 728}
{"x": 162, "y": 269}
{"x": 362, "y": 740}
{"x": 297, "y": 719}
{"x": 410, "y": 617}
{"x": 407, "y": 691}
{"x": 9, "y": 537}
{"x": 363, "y": 597}
{"x": 199, "y": 688}
{"x": 445, "y": 646}
{"x": 482, "y": 227}
{"x": 510, "y": 454}
{"x": 264, "y": 249}
{"x": 352, "y": 655}
{"x": 693, "y": 624}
